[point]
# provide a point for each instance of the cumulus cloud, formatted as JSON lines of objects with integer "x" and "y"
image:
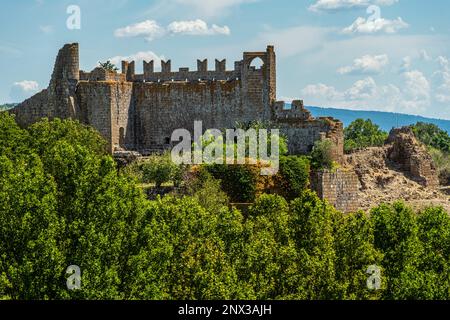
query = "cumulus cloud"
{"x": 338, "y": 5}
{"x": 406, "y": 64}
{"x": 416, "y": 91}
{"x": 362, "y": 90}
{"x": 139, "y": 57}
{"x": 369, "y": 26}
{"x": 412, "y": 97}
{"x": 23, "y": 89}
{"x": 323, "y": 91}
{"x": 367, "y": 64}
{"x": 196, "y": 28}
{"x": 151, "y": 30}
{"x": 441, "y": 79}
{"x": 148, "y": 29}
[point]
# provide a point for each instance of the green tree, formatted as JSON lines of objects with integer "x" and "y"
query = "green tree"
{"x": 183, "y": 256}
{"x": 312, "y": 227}
{"x": 322, "y": 154}
{"x": 160, "y": 169}
{"x": 109, "y": 66}
{"x": 270, "y": 262}
{"x": 31, "y": 261}
{"x": 431, "y": 135}
{"x": 434, "y": 233}
{"x": 396, "y": 236}
{"x": 13, "y": 140}
{"x": 355, "y": 252}
{"x": 294, "y": 174}
{"x": 362, "y": 134}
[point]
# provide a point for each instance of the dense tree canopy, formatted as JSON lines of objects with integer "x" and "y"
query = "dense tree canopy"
{"x": 362, "y": 134}
{"x": 432, "y": 136}
{"x": 63, "y": 202}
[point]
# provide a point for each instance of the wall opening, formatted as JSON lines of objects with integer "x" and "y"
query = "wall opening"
{"x": 256, "y": 64}
{"x": 121, "y": 137}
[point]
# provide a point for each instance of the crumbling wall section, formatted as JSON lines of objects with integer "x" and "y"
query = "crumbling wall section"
{"x": 58, "y": 100}
{"x": 302, "y": 130}
{"x": 404, "y": 149}
{"x": 340, "y": 188}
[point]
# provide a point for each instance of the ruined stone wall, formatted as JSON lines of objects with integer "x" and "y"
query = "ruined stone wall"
{"x": 302, "y": 130}
{"x": 140, "y": 112}
{"x": 339, "y": 188}
{"x": 404, "y": 149}
{"x": 58, "y": 100}
{"x": 100, "y": 74}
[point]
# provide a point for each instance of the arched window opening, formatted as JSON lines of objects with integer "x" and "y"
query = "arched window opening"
{"x": 256, "y": 64}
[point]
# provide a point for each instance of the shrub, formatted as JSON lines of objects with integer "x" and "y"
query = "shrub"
{"x": 207, "y": 190}
{"x": 294, "y": 176}
{"x": 238, "y": 181}
{"x": 160, "y": 169}
{"x": 322, "y": 154}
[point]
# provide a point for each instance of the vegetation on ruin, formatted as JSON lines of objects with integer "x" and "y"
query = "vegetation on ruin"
{"x": 438, "y": 143}
{"x": 63, "y": 202}
{"x": 109, "y": 66}
{"x": 361, "y": 134}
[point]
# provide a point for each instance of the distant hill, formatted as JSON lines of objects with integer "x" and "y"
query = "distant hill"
{"x": 385, "y": 120}
{"x": 7, "y": 106}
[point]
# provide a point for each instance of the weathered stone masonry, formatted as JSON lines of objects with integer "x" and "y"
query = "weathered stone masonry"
{"x": 139, "y": 112}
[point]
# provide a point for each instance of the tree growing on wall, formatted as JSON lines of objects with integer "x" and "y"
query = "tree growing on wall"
{"x": 108, "y": 65}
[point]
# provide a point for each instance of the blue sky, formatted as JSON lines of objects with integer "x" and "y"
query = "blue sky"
{"x": 329, "y": 52}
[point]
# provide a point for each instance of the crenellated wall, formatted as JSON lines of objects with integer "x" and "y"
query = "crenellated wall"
{"x": 141, "y": 111}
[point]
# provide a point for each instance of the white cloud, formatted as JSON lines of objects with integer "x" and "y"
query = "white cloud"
{"x": 338, "y": 5}
{"x": 441, "y": 80}
{"x": 362, "y": 90}
{"x": 425, "y": 56}
{"x": 139, "y": 57}
{"x": 368, "y": 26}
{"x": 322, "y": 91}
{"x": 23, "y": 89}
{"x": 367, "y": 64}
{"x": 406, "y": 64}
{"x": 416, "y": 92}
{"x": 413, "y": 97}
{"x": 151, "y": 30}
{"x": 196, "y": 28}
{"x": 46, "y": 29}
{"x": 148, "y": 29}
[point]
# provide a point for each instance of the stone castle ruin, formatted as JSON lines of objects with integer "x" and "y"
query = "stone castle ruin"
{"x": 139, "y": 112}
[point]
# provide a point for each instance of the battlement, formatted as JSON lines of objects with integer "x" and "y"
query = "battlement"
{"x": 100, "y": 74}
{"x": 297, "y": 111}
{"x": 241, "y": 69}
